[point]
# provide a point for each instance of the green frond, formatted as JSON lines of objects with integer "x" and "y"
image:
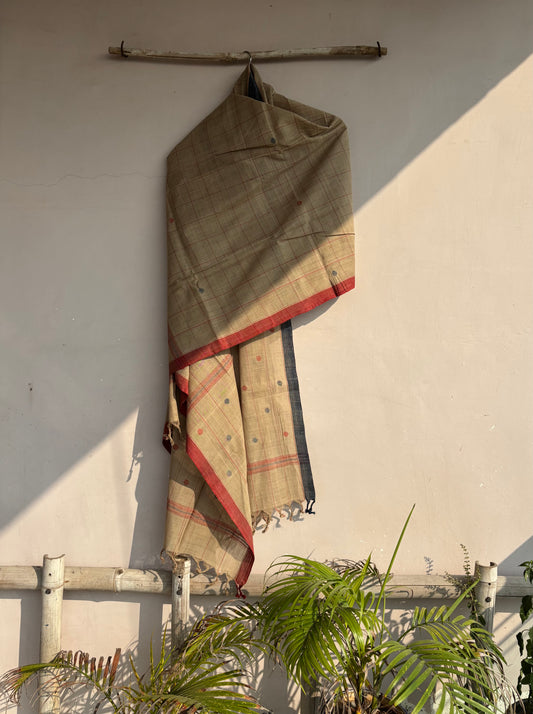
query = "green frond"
{"x": 224, "y": 634}
{"x": 202, "y": 675}
{"x": 68, "y": 672}
{"x": 434, "y": 665}
{"x": 328, "y": 626}
{"x": 206, "y": 690}
{"x": 383, "y": 590}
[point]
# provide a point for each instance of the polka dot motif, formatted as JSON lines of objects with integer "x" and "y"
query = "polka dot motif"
{"x": 171, "y": 220}
{"x": 255, "y": 439}
{"x": 298, "y": 203}
{"x": 228, "y": 473}
{"x": 259, "y": 358}
{"x": 285, "y": 433}
{"x": 200, "y": 432}
{"x": 186, "y": 482}
{"x": 334, "y": 272}
{"x": 226, "y": 401}
{"x": 267, "y": 410}
{"x": 228, "y": 437}
{"x": 279, "y": 383}
{"x": 244, "y": 387}
{"x": 201, "y": 290}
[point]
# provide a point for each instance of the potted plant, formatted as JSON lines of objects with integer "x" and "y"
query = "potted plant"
{"x": 204, "y": 674}
{"x": 328, "y": 624}
{"x": 525, "y": 643}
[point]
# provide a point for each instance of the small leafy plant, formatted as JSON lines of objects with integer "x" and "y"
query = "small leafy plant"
{"x": 525, "y": 642}
{"x": 204, "y": 675}
{"x": 466, "y": 584}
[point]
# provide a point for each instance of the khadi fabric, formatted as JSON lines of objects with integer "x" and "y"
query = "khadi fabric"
{"x": 260, "y": 230}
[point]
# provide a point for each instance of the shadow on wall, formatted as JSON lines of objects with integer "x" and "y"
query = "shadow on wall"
{"x": 511, "y": 564}
{"x": 418, "y": 92}
{"x": 507, "y": 607}
{"x": 443, "y": 58}
{"x": 268, "y": 679}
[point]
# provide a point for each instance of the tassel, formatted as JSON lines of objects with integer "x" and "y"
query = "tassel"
{"x": 261, "y": 520}
{"x": 168, "y": 441}
{"x": 309, "y": 507}
{"x": 239, "y": 593}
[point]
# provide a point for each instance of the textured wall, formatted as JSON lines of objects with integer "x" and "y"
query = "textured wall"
{"x": 416, "y": 387}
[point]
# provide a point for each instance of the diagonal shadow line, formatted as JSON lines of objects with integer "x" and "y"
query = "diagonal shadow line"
{"x": 398, "y": 120}
{"x": 402, "y": 104}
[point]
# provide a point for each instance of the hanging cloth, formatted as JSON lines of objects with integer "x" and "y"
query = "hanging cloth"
{"x": 260, "y": 229}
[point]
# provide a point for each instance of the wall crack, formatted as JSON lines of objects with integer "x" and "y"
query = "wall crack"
{"x": 81, "y": 178}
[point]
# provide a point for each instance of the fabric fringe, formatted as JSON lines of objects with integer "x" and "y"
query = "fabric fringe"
{"x": 201, "y": 567}
{"x": 174, "y": 559}
{"x": 261, "y": 520}
{"x": 172, "y": 430}
{"x": 292, "y": 511}
{"x": 171, "y": 437}
{"x": 168, "y": 440}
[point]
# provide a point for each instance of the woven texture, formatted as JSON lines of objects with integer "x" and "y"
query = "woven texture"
{"x": 259, "y": 230}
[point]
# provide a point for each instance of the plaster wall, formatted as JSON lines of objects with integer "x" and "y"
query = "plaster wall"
{"x": 416, "y": 387}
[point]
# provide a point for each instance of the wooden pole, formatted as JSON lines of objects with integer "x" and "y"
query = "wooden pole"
{"x": 102, "y": 579}
{"x": 364, "y": 51}
{"x": 29, "y": 577}
{"x": 53, "y": 574}
{"x": 486, "y": 592}
{"x": 181, "y": 595}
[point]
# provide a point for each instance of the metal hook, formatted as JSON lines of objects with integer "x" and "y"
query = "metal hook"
{"x": 122, "y": 50}
{"x": 250, "y": 58}
{"x": 379, "y": 50}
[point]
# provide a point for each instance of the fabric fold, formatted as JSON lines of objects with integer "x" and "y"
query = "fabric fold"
{"x": 260, "y": 230}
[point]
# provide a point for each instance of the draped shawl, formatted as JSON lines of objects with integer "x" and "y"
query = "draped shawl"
{"x": 260, "y": 230}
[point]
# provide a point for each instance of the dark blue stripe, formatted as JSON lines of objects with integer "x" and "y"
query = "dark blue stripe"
{"x": 297, "y": 414}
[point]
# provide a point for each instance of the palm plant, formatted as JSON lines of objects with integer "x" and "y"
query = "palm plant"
{"x": 204, "y": 674}
{"x": 329, "y": 626}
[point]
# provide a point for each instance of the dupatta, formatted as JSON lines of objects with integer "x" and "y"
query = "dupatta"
{"x": 260, "y": 229}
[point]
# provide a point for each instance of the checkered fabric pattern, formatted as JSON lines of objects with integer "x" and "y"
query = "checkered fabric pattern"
{"x": 260, "y": 229}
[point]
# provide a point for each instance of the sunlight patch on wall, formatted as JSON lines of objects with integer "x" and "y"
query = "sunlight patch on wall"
{"x": 443, "y": 311}
{"x": 496, "y": 126}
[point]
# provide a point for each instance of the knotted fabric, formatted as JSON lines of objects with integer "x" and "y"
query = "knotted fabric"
{"x": 260, "y": 230}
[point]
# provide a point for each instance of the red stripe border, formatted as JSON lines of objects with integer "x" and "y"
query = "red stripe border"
{"x": 244, "y": 570}
{"x": 215, "y": 484}
{"x": 262, "y": 325}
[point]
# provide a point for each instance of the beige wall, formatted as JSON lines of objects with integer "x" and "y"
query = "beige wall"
{"x": 417, "y": 387}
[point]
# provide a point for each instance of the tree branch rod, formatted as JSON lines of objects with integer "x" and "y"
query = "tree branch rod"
{"x": 362, "y": 51}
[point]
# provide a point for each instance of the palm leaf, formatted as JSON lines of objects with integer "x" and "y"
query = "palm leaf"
{"x": 437, "y": 662}
{"x": 202, "y": 675}
{"x": 206, "y": 690}
{"x": 68, "y": 671}
{"x": 328, "y": 626}
{"x": 317, "y": 616}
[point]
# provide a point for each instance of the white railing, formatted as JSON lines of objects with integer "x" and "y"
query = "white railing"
{"x": 54, "y": 577}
